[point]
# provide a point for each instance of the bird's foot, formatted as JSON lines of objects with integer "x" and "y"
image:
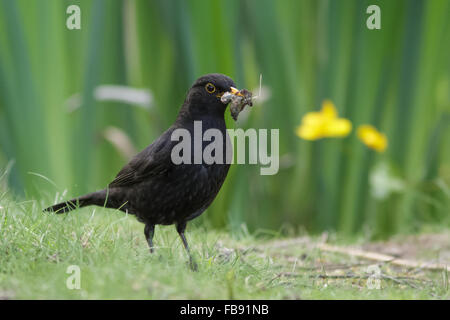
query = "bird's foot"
{"x": 193, "y": 265}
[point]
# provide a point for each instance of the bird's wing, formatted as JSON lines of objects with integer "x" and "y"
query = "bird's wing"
{"x": 153, "y": 160}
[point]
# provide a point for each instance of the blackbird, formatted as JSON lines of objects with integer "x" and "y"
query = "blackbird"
{"x": 154, "y": 188}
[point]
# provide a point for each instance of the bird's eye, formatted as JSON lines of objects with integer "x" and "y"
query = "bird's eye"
{"x": 210, "y": 87}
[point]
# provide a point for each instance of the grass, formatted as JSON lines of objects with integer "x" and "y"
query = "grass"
{"x": 109, "y": 247}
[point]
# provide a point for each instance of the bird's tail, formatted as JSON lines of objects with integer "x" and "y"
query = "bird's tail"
{"x": 98, "y": 198}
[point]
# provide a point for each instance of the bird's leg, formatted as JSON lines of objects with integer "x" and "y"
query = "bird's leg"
{"x": 180, "y": 229}
{"x": 149, "y": 231}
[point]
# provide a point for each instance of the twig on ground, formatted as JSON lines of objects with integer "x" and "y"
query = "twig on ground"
{"x": 383, "y": 258}
{"x": 399, "y": 280}
{"x": 332, "y": 267}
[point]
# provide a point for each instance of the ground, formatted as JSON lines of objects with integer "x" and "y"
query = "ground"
{"x": 109, "y": 248}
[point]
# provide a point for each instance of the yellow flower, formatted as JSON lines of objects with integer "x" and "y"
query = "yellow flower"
{"x": 309, "y": 132}
{"x": 372, "y": 138}
{"x": 317, "y": 125}
{"x": 338, "y": 128}
{"x": 328, "y": 109}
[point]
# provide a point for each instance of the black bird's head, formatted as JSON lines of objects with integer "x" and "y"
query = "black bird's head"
{"x": 203, "y": 98}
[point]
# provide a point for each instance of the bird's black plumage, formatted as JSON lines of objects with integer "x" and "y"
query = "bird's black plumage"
{"x": 155, "y": 189}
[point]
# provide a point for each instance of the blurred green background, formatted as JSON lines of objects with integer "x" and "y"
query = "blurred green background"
{"x": 396, "y": 79}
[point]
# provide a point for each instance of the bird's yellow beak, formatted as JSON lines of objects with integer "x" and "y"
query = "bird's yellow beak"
{"x": 236, "y": 92}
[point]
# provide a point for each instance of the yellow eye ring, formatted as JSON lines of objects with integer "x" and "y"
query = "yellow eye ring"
{"x": 210, "y": 87}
